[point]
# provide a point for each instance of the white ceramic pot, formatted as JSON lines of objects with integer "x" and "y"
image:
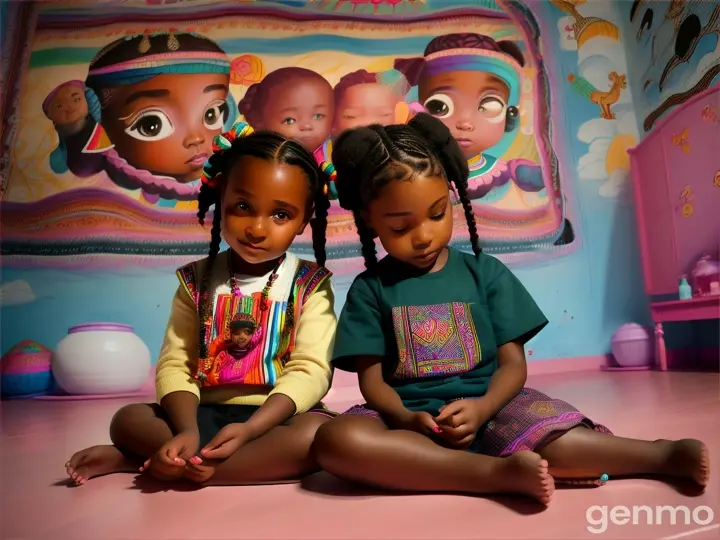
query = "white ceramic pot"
{"x": 101, "y": 358}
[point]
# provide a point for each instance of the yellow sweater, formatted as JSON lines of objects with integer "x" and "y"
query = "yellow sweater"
{"x": 305, "y": 377}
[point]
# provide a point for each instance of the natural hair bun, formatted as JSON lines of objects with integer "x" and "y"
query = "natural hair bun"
{"x": 431, "y": 129}
{"x": 350, "y": 159}
{"x": 445, "y": 146}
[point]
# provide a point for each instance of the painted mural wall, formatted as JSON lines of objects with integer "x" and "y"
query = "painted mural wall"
{"x": 673, "y": 48}
{"x": 115, "y": 121}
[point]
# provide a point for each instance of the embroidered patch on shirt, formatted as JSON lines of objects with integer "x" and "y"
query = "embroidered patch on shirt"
{"x": 435, "y": 340}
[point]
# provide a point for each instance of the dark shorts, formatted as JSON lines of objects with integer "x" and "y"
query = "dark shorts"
{"x": 211, "y": 418}
{"x": 528, "y": 422}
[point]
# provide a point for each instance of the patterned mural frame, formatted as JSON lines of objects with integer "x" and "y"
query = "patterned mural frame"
{"x": 522, "y": 16}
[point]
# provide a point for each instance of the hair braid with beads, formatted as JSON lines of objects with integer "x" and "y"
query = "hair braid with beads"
{"x": 274, "y": 148}
{"x": 369, "y": 158}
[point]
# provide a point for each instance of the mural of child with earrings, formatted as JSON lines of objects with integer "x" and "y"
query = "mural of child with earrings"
{"x": 67, "y": 108}
{"x": 473, "y": 84}
{"x": 159, "y": 100}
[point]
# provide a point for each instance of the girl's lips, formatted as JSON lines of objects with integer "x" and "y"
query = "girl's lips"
{"x": 252, "y": 247}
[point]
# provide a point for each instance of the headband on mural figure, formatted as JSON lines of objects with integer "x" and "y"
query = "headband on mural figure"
{"x": 496, "y": 63}
{"x": 221, "y": 143}
{"x": 142, "y": 56}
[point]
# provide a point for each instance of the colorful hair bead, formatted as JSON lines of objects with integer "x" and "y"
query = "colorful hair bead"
{"x": 329, "y": 169}
{"x": 221, "y": 143}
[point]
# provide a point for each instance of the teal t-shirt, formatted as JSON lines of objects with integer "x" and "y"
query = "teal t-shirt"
{"x": 438, "y": 333}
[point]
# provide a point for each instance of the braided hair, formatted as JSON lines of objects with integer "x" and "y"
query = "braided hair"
{"x": 271, "y": 147}
{"x": 369, "y": 158}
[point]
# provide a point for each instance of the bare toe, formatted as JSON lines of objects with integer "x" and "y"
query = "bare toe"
{"x": 96, "y": 461}
{"x": 528, "y": 473}
{"x": 689, "y": 458}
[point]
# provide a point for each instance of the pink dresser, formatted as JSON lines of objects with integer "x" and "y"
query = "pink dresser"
{"x": 676, "y": 183}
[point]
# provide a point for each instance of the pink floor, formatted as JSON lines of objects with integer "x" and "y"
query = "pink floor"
{"x": 38, "y": 437}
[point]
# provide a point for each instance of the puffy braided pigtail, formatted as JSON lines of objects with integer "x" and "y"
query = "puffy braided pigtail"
{"x": 454, "y": 164}
{"x": 319, "y": 222}
{"x": 462, "y": 189}
{"x": 206, "y": 299}
{"x": 209, "y": 197}
{"x": 367, "y": 241}
{"x": 358, "y": 154}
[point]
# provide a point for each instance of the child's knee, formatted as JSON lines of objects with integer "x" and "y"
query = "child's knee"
{"x": 339, "y": 438}
{"x": 125, "y": 421}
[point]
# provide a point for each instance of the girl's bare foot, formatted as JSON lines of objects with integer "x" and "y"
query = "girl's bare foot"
{"x": 200, "y": 471}
{"x": 687, "y": 458}
{"x": 97, "y": 461}
{"x": 526, "y": 473}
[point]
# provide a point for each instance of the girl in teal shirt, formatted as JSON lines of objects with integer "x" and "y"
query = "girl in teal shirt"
{"x": 437, "y": 338}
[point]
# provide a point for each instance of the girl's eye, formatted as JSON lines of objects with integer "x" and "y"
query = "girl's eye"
{"x": 215, "y": 115}
{"x": 491, "y": 107}
{"x": 289, "y": 121}
{"x": 282, "y": 216}
{"x": 319, "y": 116}
{"x": 439, "y": 105}
{"x": 438, "y": 217}
{"x": 398, "y": 231}
{"x": 151, "y": 125}
{"x": 77, "y": 100}
{"x": 242, "y": 206}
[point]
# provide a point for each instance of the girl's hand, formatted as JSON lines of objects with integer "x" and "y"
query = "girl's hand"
{"x": 169, "y": 462}
{"x": 421, "y": 422}
{"x": 460, "y": 420}
{"x": 226, "y": 442}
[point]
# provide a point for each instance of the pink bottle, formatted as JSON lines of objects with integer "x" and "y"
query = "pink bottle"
{"x": 705, "y": 276}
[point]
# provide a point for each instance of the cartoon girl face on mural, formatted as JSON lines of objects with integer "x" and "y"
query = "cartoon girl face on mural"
{"x": 163, "y": 97}
{"x": 294, "y": 102}
{"x": 472, "y": 83}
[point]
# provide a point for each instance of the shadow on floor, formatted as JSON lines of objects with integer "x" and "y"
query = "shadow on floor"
{"x": 329, "y": 486}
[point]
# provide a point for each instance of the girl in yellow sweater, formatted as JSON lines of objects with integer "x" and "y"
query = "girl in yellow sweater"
{"x": 245, "y": 361}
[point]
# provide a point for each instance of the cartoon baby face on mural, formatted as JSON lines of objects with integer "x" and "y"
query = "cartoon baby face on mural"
{"x": 66, "y": 106}
{"x": 295, "y": 102}
{"x": 363, "y": 98}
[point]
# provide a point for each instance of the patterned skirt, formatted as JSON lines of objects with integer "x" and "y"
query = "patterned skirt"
{"x": 528, "y": 422}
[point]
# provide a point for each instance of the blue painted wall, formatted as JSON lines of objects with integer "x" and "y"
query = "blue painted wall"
{"x": 586, "y": 295}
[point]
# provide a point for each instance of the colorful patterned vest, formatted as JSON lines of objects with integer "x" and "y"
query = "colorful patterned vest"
{"x": 249, "y": 340}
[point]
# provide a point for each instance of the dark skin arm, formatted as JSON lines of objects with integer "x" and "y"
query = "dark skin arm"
{"x": 181, "y": 407}
{"x": 381, "y": 397}
{"x": 509, "y": 378}
{"x": 276, "y": 410}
